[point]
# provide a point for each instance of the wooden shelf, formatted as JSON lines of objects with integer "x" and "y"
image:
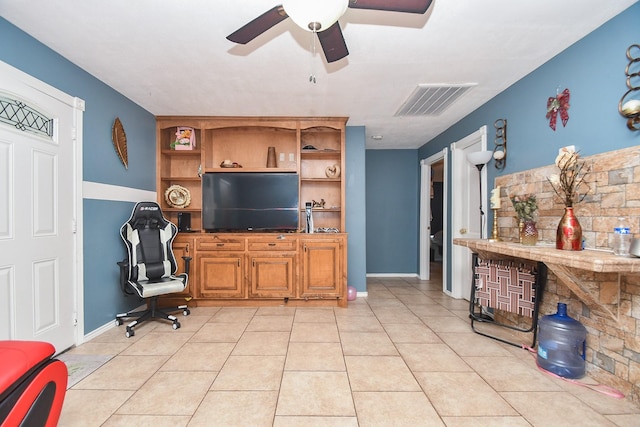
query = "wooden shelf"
{"x": 246, "y": 140}
{"x": 181, "y": 152}
{"x": 181, "y": 178}
{"x": 236, "y": 170}
{"x": 323, "y": 210}
{"x": 319, "y": 154}
{"x": 321, "y": 179}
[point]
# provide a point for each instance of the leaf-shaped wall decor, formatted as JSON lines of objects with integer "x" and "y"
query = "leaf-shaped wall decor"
{"x": 120, "y": 142}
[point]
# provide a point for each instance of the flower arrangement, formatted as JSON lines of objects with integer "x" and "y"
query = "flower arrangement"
{"x": 525, "y": 206}
{"x": 184, "y": 136}
{"x": 572, "y": 175}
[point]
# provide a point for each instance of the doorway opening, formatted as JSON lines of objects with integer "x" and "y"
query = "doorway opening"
{"x": 433, "y": 215}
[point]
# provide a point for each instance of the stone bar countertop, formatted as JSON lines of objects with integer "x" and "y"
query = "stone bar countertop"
{"x": 600, "y": 261}
{"x": 566, "y": 266}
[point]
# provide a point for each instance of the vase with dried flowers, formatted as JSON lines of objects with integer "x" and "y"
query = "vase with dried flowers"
{"x": 526, "y": 208}
{"x": 570, "y": 186}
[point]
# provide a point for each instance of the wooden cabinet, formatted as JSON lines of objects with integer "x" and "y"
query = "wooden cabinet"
{"x": 272, "y": 275}
{"x": 242, "y": 268}
{"x": 272, "y": 264}
{"x": 220, "y": 274}
{"x": 267, "y": 268}
{"x": 219, "y": 266}
{"x": 323, "y": 270}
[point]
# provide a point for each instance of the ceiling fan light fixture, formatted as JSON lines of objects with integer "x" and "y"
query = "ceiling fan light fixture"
{"x": 315, "y": 15}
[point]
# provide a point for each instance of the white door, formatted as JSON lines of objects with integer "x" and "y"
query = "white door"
{"x": 37, "y": 217}
{"x": 465, "y": 208}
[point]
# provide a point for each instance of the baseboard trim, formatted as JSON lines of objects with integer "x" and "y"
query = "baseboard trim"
{"x": 392, "y": 275}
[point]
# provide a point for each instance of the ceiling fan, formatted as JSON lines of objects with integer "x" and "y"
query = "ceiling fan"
{"x": 321, "y": 17}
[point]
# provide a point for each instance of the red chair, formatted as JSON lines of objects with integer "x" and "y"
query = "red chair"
{"x": 32, "y": 384}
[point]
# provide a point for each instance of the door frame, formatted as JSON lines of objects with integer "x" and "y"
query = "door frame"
{"x": 75, "y": 193}
{"x": 460, "y": 169}
{"x": 425, "y": 214}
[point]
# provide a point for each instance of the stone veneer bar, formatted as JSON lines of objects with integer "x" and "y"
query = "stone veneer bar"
{"x": 601, "y": 290}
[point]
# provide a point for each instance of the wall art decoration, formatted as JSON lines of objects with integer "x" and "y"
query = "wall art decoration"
{"x": 558, "y": 105}
{"x": 119, "y": 139}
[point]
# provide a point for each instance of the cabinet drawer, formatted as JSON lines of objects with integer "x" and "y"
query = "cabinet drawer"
{"x": 217, "y": 243}
{"x": 271, "y": 244}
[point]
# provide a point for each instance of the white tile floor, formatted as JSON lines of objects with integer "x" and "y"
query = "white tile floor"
{"x": 403, "y": 356}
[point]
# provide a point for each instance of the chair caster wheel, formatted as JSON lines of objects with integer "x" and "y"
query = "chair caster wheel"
{"x": 176, "y": 325}
{"x": 186, "y": 312}
{"x": 118, "y": 322}
{"x": 130, "y": 332}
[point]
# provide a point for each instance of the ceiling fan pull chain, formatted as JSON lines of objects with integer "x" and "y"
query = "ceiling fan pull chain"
{"x": 312, "y": 76}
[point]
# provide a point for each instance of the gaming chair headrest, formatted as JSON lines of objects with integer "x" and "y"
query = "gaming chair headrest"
{"x": 147, "y": 214}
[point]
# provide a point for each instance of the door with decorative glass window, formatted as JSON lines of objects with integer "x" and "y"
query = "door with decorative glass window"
{"x": 38, "y": 261}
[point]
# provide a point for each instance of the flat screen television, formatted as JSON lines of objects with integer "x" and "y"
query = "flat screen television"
{"x": 250, "y": 201}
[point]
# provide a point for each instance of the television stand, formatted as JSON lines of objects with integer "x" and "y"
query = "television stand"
{"x": 258, "y": 269}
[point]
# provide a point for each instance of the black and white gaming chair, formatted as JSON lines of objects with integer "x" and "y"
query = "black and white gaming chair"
{"x": 150, "y": 268}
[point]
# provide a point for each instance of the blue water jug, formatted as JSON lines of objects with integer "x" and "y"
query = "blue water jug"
{"x": 562, "y": 343}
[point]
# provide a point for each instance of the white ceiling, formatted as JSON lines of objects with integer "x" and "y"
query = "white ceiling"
{"x": 172, "y": 57}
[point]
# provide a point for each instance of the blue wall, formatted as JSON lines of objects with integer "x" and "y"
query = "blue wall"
{"x": 356, "y": 207}
{"x": 392, "y": 211}
{"x": 593, "y": 70}
{"x": 102, "y": 218}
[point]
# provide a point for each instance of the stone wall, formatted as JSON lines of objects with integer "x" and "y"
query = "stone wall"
{"x": 613, "y": 345}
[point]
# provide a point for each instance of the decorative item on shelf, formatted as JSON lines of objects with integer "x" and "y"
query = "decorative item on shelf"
{"x": 526, "y": 208}
{"x": 177, "y": 196}
{"x": 529, "y": 233}
{"x": 500, "y": 149}
{"x": 185, "y": 139}
{"x": 319, "y": 205}
{"x": 567, "y": 186}
{"x": 495, "y": 205}
{"x": 271, "y": 157}
{"x": 479, "y": 159}
{"x": 119, "y": 139}
{"x": 229, "y": 164}
{"x": 308, "y": 208}
{"x": 332, "y": 171}
{"x": 558, "y": 105}
{"x": 630, "y": 107}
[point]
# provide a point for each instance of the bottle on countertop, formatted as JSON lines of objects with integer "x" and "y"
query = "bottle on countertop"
{"x": 621, "y": 237}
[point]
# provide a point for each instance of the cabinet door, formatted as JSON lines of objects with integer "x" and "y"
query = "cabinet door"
{"x": 321, "y": 269}
{"x": 220, "y": 274}
{"x": 272, "y": 275}
{"x": 183, "y": 246}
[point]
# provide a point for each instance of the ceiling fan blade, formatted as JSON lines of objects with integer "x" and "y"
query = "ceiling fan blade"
{"x": 333, "y": 43}
{"x": 409, "y": 6}
{"x": 259, "y": 25}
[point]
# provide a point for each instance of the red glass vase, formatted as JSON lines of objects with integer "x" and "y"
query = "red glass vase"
{"x": 569, "y": 233}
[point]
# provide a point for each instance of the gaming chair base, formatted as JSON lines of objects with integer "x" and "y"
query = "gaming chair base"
{"x": 153, "y": 312}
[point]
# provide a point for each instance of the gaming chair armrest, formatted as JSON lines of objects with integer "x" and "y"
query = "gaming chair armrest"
{"x": 124, "y": 276}
{"x": 187, "y": 263}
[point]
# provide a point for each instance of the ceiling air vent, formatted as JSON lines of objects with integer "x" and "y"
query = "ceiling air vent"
{"x": 432, "y": 99}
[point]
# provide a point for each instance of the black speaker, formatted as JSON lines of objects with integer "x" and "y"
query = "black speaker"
{"x": 184, "y": 221}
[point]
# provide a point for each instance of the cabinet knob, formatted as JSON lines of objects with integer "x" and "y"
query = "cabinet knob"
{"x": 272, "y": 244}
{"x": 463, "y": 231}
{"x": 219, "y": 245}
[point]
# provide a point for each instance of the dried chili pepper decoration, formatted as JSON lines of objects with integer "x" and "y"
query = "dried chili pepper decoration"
{"x": 559, "y": 104}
